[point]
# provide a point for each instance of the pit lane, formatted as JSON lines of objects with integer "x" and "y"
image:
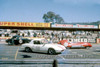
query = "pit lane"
{"x": 15, "y": 52}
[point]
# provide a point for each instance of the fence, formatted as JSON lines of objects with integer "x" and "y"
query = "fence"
{"x": 51, "y": 63}
{"x": 29, "y": 63}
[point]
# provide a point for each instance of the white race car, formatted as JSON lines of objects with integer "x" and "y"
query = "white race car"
{"x": 42, "y": 45}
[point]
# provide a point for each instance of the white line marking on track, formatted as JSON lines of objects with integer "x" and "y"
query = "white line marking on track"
{"x": 16, "y": 53}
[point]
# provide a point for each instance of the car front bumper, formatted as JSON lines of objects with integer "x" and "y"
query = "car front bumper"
{"x": 59, "y": 51}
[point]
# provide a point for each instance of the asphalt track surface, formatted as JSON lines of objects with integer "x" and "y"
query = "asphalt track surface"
{"x": 15, "y": 52}
{"x": 68, "y": 58}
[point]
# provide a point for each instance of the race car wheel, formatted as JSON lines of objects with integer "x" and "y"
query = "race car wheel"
{"x": 87, "y": 47}
{"x": 9, "y": 43}
{"x": 27, "y": 49}
{"x": 68, "y": 47}
{"x": 16, "y": 42}
{"x": 51, "y": 51}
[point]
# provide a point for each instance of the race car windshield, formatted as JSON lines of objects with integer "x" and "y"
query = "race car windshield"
{"x": 45, "y": 41}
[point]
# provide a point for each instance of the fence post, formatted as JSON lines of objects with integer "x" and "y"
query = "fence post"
{"x": 55, "y": 63}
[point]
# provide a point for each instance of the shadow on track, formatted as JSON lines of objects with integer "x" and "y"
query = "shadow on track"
{"x": 36, "y": 52}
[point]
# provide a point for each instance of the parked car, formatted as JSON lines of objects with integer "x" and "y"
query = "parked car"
{"x": 75, "y": 45}
{"x": 17, "y": 40}
{"x": 42, "y": 45}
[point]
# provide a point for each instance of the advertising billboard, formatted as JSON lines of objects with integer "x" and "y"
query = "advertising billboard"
{"x": 86, "y": 26}
{"x": 62, "y": 25}
{"x": 24, "y": 24}
{"x": 74, "y": 26}
{"x": 83, "y": 40}
{"x": 99, "y": 26}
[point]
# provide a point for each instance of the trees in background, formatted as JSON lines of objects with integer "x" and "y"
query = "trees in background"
{"x": 52, "y": 17}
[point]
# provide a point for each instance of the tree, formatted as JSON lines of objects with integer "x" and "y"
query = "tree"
{"x": 57, "y": 18}
{"x": 45, "y": 17}
{"x": 61, "y": 20}
{"x": 52, "y": 17}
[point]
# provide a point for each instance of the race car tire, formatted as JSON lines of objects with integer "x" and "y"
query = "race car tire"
{"x": 51, "y": 51}
{"x": 87, "y": 47}
{"x": 68, "y": 47}
{"x": 27, "y": 49}
{"x": 9, "y": 43}
{"x": 16, "y": 42}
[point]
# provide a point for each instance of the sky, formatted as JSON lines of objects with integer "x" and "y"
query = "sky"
{"x": 33, "y": 10}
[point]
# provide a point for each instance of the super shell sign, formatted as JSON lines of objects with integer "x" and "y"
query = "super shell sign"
{"x": 24, "y": 24}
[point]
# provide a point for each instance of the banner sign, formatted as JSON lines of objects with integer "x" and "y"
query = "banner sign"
{"x": 83, "y": 40}
{"x": 86, "y": 26}
{"x": 62, "y": 25}
{"x": 73, "y": 26}
{"x": 99, "y": 26}
{"x": 24, "y": 24}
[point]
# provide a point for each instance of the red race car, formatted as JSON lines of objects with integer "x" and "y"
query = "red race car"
{"x": 75, "y": 45}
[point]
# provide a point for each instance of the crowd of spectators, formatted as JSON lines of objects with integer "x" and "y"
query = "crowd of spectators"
{"x": 53, "y": 35}
{"x": 60, "y": 35}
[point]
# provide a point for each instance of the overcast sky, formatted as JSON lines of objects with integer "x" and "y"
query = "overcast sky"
{"x": 33, "y": 10}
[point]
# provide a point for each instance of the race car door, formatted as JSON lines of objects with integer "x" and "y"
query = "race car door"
{"x": 38, "y": 46}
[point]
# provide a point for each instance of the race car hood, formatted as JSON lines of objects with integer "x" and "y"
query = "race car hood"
{"x": 56, "y": 45}
{"x": 79, "y": 43}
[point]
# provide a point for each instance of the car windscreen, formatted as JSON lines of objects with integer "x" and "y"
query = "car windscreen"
{"x": 45, "y": 41}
